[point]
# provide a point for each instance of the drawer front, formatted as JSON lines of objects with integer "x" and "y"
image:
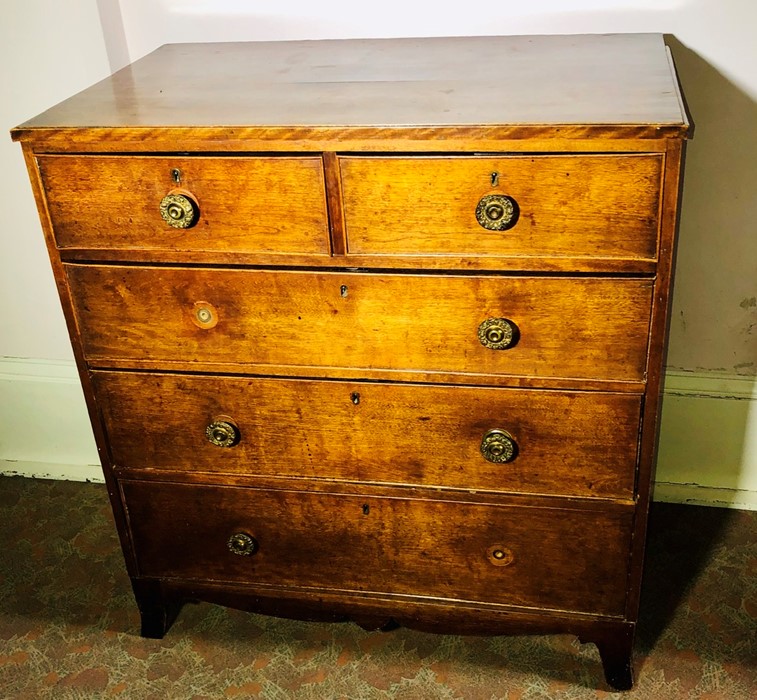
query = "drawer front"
{"x": 602, "y": 206}
{"x": 571, "y": 443}
{"x": 260, "y": 204}
{"x": 537, "y": 557}
{"x": 578, "y": 327}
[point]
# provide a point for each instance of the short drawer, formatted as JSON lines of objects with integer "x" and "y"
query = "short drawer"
{"x": 245, "y": 204}
{"x": 548, "y": 442}
{"x": 550, "y": 327}
{"x": 554, "y": 558}
{"x": 575, "y": 205}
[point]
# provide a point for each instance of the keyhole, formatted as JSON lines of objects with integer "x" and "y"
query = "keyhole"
{"x": 366, "y": 509}
{"x": 495, "y": 179}
{"x": 343, "y": 290}
{"x": 176, "y": 175}
{"x": 355, "y": 397}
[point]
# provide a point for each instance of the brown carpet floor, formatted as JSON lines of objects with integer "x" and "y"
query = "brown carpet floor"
{"x": 69, "y": 626}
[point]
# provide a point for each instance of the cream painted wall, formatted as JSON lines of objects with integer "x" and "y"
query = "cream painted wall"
{"x": 48, "y": 50}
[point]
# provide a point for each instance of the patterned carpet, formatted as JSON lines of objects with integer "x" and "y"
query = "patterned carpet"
{"x": 69, "y": 625}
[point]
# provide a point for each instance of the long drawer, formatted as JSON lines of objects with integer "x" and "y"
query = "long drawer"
{"x": 511, "y": 555}
{"x": 243, "y": 204}
{"x": 527, "y": 326}
{"x": 551, "y": 442}
{"x": 579, "y": 205}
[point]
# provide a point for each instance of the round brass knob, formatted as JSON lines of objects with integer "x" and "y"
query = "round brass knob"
{"x": 242, "y": 544}
{"x": 497, "y": 333}
{"x": 222, "y": 433}
{"x": 497, "y": 212}
{"x": 498, "y": 446}
{"x": 178, "y": 209}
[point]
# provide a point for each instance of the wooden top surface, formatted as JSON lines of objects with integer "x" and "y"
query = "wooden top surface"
{"x": 604, "y": 80}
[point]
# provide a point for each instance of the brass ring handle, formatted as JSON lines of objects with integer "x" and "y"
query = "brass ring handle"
{"x": 498, "y": 333}
{"x": 497, "y": 212}
{"x": 179, "y": 209}
{"x": 242, "y": 544}
{"x": 222, "y": 433}
{"x": 498, "y": 446}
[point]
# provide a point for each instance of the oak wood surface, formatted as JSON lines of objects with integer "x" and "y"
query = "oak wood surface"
{"x": 426, "y": 548}
{"x": 493, "y": 138}
{"x": 356, "y": 524}
{"x": 571, "y": 443}
{"x": 335, "y": 201}
{"x": 619, "y": 80}
{"x": 484, "y": 263}
{"x": 569, "y": 205}
{"x": 406, "y": 491}
{"x": 657, "y": 353}
{"x": 576, "y": 327}
{"x": 372, "y": 374}
{"x": 262, "y": 204}
{"x": 430, "y": 614}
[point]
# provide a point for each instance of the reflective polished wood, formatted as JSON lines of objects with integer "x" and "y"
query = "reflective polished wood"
{"x": 343, "y": 391}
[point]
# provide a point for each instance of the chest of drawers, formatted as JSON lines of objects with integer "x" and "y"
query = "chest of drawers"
{"x": 373, "y": 330}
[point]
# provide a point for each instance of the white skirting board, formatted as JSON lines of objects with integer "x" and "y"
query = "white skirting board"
{"x": 707, "y": 453}
{"x": 708, "y": 440}
{"x": 44, "y": 427}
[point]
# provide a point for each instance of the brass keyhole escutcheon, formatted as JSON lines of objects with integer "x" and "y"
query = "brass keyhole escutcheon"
{"x": 499, "y": 555}
{"x": 221, "y": 432}
{"x": 498, "y": 446}
{"x": 179, "y": 209}
{"x": 242, "y": 544}
{"x": 497, "y": 212}
{"x": 498, "y": 333}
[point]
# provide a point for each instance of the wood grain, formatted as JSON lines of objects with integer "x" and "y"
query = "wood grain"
{"x": 429, "y": 615}
{"x": 491, "y": 138}
{"x": 658, "y": 347}
{"x": 570, "y": 205}
{"x": 419, "y": 548}
{"x": 618, "y": 80}
{"x": 464, "y": 263}
{"x": 570, "y": 443}
{"x": 337, "y": 249}
{"x": 577, "y": 327}
{"x": 260, "y": 204}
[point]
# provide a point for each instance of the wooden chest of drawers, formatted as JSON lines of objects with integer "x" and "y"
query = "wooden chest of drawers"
{"x": 374, "y": 330}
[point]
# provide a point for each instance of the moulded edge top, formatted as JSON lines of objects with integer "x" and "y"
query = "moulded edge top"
{"x": 621, "y": 85}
